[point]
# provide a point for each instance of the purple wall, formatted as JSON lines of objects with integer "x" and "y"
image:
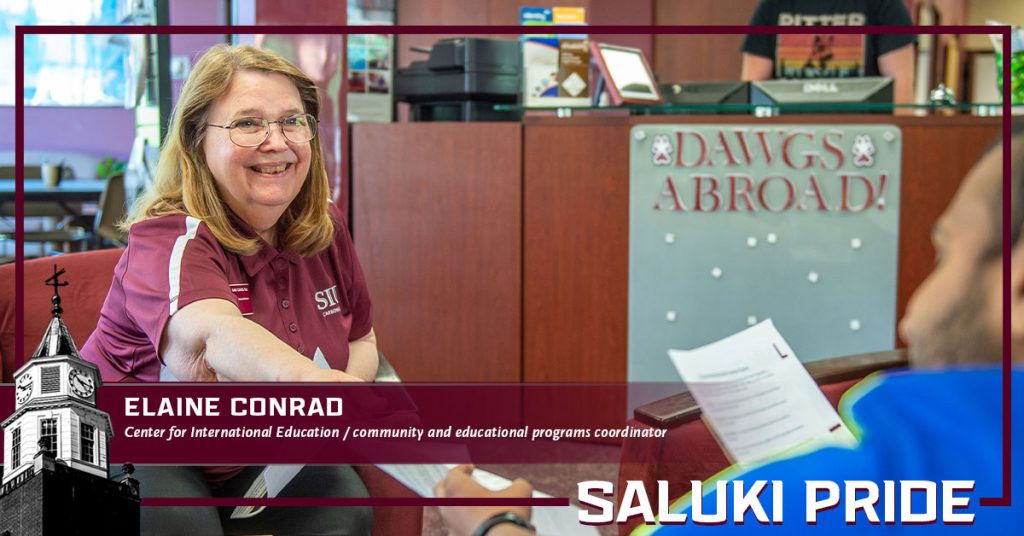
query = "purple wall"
{"x": 102, "y": 131}
{"x": 94, "y": 130}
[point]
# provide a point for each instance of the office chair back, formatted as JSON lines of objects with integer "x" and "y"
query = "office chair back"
{"x": 111, "y": 210}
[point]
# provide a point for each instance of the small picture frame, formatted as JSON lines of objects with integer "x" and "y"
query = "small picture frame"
{"x": 627, "y": 77}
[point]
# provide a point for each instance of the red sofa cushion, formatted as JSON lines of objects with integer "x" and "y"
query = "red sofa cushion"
{"x": 88, "y": 275}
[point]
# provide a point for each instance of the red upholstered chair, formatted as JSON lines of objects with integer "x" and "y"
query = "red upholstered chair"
{"x": 89, "y": 275}
{"x": 690, "y": 452}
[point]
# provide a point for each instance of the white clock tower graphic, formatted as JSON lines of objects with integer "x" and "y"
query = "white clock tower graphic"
{"x": 55, "y": 393}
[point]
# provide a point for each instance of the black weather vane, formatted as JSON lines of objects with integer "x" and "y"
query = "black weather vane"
{"x": 54, "y": 281}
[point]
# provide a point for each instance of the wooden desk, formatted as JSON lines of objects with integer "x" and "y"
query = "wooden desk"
{"x": 500, "y": 251}
{"x": 576, "y": 227}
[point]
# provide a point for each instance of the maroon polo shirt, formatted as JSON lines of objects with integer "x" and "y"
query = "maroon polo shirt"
{"x": 314, "y": 304}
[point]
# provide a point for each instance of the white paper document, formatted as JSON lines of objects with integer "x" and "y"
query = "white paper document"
{"x": 549, "y": 520}
{"x": 757, "y": 397}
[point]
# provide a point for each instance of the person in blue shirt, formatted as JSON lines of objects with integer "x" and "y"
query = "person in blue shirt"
{"x": 939, "y": 422}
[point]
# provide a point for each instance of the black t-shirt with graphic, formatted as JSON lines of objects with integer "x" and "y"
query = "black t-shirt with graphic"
{"x": 827, "y": 55}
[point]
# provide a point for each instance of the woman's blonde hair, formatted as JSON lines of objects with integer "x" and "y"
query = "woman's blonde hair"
{"x": 183, "y": 184}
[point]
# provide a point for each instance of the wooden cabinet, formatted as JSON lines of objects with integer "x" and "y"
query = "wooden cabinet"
{"x": 437, "y": 222}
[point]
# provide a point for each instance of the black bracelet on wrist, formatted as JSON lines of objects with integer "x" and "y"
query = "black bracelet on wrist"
{"x": 501, "y": 518}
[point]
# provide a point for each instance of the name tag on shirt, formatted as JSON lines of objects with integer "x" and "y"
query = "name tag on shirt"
{"x": 241, "y": 292}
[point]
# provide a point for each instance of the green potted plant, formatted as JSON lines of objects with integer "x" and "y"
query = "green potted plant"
{"x": 108, "y": 167}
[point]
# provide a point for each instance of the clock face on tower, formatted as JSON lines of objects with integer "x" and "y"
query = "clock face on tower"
{"x": 24, "y": 389}
{"x": 81, "y": 383}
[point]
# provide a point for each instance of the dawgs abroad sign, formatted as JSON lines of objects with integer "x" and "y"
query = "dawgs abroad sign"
{"x": 768, "y": 169}
{"x": 733, "y": 224}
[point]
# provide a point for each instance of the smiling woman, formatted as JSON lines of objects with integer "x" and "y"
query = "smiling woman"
{"x": 228, "y": 84}
{"x": 235, "y": 256}
{"x": 258, "y": 170}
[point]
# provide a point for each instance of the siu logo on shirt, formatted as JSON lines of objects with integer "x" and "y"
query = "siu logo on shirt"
{"x": 327, "y": 301}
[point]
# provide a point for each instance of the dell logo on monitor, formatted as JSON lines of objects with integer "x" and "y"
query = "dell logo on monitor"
{"x": 820, "y": 87}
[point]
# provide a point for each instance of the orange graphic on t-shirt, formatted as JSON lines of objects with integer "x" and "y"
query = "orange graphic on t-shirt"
{"x": 819, "y": 56}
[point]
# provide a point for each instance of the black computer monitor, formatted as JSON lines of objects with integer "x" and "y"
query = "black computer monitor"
{"x": 706, "y": 93}
{"x": 817, "y": 94}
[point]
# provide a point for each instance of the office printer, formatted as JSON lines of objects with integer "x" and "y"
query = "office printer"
{"x": 462, "y": 80}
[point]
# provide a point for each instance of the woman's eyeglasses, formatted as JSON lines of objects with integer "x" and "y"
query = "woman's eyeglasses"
{"x": 253, "y": 131}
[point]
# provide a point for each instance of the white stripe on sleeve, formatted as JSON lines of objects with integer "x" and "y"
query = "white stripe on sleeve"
{"x": 174, "y": 267}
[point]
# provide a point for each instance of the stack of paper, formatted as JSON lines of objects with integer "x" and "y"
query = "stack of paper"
{"x": 757, "y": 397}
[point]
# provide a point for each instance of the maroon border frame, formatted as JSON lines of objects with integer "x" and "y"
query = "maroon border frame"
{"x": 353, "y": 501}
{"x": 19, "y": 138}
